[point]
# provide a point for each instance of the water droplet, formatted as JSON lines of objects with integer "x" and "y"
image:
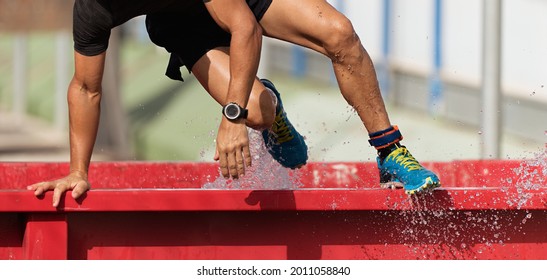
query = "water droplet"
{"x": 480, "y": 132}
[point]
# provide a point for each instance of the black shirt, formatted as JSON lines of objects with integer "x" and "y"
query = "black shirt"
{"x": 93, "y": 19}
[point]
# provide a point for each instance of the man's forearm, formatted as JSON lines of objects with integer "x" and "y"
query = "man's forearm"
{"x": 245, "y": 55}
{"x": 84, "y": 112}
{"x": 235, "y": 17}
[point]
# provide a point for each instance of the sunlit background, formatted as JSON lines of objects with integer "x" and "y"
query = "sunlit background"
{"x": 434, "y": 62}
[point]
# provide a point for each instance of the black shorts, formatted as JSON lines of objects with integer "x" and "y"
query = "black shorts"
{"x": 93, "y": 19}
{"x": 191, "y": 34}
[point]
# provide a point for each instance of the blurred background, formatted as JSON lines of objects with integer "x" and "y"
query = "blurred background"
{"x": 463, "y": 79}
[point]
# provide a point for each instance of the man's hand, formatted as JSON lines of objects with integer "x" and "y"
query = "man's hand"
{"x": 75, "y": 182}
{"x": 233, "y": 151}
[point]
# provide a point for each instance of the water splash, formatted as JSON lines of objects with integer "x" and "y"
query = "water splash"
{"x": 428, "y": 232}
{"x": 531, "y": 179}
{"x": 264, "y": 174}
{"x": 432, "y": 233}
{"x": 451, "y": 234}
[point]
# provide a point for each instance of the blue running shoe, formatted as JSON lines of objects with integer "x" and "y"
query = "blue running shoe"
{"x": 282, "y": 140}
{"x": 400, "y": 167}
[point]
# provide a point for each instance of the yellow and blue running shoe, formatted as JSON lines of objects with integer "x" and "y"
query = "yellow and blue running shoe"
{"x": 400, "y": 167}
{"x": 282, "y": 140}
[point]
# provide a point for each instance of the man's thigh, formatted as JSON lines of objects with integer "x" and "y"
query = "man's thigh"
{"x": 303, "y": 22}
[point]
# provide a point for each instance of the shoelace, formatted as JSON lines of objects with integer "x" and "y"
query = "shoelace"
{"x": 403, "y": 157}
{"x": 281, "y": 129}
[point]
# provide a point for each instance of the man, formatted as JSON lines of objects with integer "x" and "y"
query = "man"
{"x": 93, "y": 21}
{"x": 209, "y": 61}
{"x": 314, "y": 24}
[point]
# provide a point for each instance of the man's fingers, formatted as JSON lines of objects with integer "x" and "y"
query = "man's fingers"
{"x": 240, "y": 164}
{"x": 40, "y": 188}
{"x": 247, "y": 156}
{"x": 33, "y": 186}
{"x": 232, "y": 165}
{"x": 79, "y": 189}
{"x": 217, "y": 156}
{"x": 60, "y": 186}
{"x": 223, "y": 162}
{"x": 58, "y": 192}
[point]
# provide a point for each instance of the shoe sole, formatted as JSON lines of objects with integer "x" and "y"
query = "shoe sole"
{"x": 426, "y": 188}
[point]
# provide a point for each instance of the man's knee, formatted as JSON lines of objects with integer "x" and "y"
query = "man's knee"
{"x": 342, "y": 37}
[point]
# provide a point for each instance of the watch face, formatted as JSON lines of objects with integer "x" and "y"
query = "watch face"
{"x": 232, "y": 111}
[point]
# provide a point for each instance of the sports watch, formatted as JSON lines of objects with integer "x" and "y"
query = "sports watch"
{"x": 232, "y": 111}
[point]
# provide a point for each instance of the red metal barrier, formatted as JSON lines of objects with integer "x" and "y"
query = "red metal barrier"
{"x": 136, "y": 210}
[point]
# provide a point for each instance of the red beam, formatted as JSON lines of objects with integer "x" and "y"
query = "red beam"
{"x": 124, "y": 175}
{"x": 102, "y": 200}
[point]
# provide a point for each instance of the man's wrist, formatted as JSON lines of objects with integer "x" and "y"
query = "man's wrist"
{"x": 234, "y": 112}
{"x": 79, "y": 173}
